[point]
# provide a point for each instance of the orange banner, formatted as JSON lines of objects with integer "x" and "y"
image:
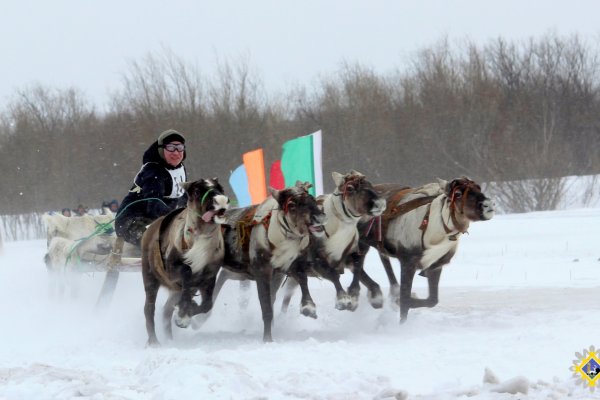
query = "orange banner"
{"x": 255, "y": 168}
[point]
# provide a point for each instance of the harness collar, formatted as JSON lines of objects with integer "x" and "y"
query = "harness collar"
{"x": 458, "y": 228}
{"x": 285, "y": 226}
{"x": 344, "y": 209}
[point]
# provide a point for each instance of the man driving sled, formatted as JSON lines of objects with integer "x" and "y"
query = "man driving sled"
{"x": 156, "y": 190}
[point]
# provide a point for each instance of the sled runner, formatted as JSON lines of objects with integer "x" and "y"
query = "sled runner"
{"x": 86, "y": 244}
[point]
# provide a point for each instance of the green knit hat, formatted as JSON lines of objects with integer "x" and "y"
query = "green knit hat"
{"x": 168, "y": 136}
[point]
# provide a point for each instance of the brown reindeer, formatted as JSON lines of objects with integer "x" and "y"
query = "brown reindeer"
{"x": 183, "y": 251}
{"x": 262, "y": 242}
{"x": 421, "y": 228}
{"x": 353, "y": 199}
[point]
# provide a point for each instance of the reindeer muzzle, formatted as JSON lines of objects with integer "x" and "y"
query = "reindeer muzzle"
{"x": 488, "y": 209}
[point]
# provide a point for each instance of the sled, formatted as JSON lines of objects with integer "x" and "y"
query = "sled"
{"x": 125, "y": 264}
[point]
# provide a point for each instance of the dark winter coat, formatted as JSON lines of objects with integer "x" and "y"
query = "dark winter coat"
{"x": 152, "y": 194}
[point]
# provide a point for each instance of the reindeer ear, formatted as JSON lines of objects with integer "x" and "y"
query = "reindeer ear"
{"x": 442, "y": 183}
{"x": 274, "y": 192}
{"x": 338, "y": 178}
{"x": 186, "y": 185}
{"x": 452, "y": 185}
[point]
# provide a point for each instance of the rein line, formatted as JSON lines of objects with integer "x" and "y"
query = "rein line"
{"x": 206, "y": 194}
{"x": 103, "y": 228}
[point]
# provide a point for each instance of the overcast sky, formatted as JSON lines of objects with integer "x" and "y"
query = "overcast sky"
{"x": 90, "y": 44}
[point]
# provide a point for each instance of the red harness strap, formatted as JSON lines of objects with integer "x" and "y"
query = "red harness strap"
{"x": 394, "y": 210}
{"x": 245, "y": 225}
{"x": 425, "y": 224}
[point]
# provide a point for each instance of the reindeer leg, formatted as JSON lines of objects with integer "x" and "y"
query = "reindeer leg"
{"x": 374, "y": 291}
{"x": 354, "y": 288}
{"x": 343, "y": 301}
{"x": 290, "y": 287}
{"x": 223, "y": 276}
{"x": 244, "y": 294}
{"x": 207, "y": 288}
{"x": 263, "y": 285}
{"x": 407, "y": 274}
{"x": 307, "y": 305}
{"x": 299, "y": 278}
{"x": 433, "y": 281}
{"x": 394, "y": 286}
{"x": 186, "y": 303}
{"x": 168, "y": 313}
{"x": 276, "y": 281}
{"x": 261, "y": 270}
{"x": 151, "y": 286}
{"x": 433, "y": 274}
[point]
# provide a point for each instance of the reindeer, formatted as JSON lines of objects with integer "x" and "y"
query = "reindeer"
{"x": 183, "y": 252}
{"x": 73, "y": 241}
{"x": 77, "y": 227}
{"x": 421, "y": 228}
{"x": 353, "y": 199}
{"x": 262, "y": 242}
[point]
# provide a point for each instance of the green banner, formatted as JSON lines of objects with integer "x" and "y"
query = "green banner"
{"x": 297, "y": 161}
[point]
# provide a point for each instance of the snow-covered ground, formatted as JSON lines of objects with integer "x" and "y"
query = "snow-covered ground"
{"x": 519, "y": 299}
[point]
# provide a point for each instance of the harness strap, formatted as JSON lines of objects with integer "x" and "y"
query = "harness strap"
{"x": 400, "y": 209}
{"x": 424, "y": 225}
{"x": 378, "y": 233}
{"x": 286, "y": 228}
{"x": 460, "y": 227}
{"x": 410, "y": 205}
{"x": 344, "y": 209}
{"x": 245, "y": 225}
{"x": 320, "y": 201}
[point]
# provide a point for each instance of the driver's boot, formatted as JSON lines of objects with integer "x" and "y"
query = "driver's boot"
{"x": 117, "y": 251}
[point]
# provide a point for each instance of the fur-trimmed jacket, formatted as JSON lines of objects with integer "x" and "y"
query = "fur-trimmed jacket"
{"x": 156, "y": 189}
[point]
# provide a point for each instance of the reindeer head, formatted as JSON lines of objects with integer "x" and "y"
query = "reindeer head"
{"x": 300, "y": 209}
{"x": 466, "y": 197}
{"x": 358, "y": 196}
{"x": 206, "y": 199}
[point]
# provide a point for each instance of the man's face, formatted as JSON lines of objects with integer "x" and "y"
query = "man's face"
{"x": 173, "y": 152}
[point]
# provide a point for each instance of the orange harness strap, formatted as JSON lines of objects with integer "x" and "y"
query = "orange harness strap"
{"x": 400, "y": 209}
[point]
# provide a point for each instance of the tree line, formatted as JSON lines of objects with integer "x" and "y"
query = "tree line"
{"x": 520, "y": 116}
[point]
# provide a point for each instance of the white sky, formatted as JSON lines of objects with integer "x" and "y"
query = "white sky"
{"x": 89, "y": 44}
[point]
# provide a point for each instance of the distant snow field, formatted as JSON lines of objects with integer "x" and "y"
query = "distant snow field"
{"x": 516, "y": 303}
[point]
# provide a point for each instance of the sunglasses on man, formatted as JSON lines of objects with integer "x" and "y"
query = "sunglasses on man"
{"x": 172, "y": 147}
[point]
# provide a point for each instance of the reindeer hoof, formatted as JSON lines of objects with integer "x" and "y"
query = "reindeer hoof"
{"x": 375, "y": 298}
{"x": 353, "y": 304}
{"x": 182, "y": 321}
{"x": 154, "y": 343}
{"x": 309, "y": 310}
{"x": 343, "y": 302}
